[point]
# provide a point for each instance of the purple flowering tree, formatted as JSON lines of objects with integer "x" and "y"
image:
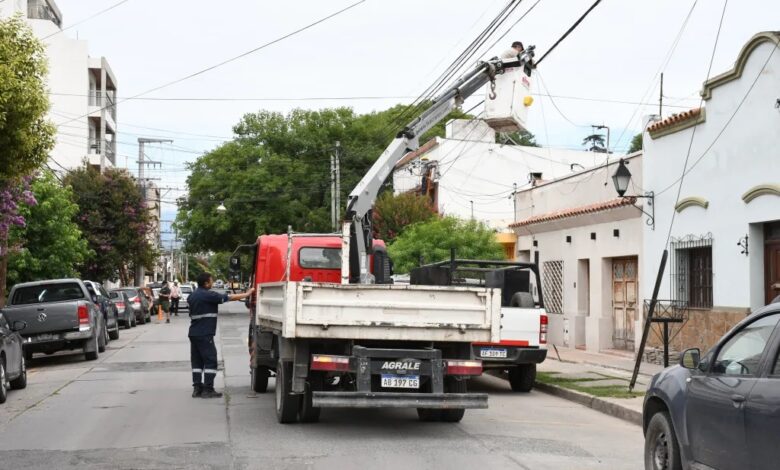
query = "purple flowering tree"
{"x": 12, "y": 196}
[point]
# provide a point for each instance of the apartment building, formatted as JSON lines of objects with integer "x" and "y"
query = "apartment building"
{"x": 82, "y": 89}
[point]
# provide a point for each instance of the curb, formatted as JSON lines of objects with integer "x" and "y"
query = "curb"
{"x": 595, "y": 403}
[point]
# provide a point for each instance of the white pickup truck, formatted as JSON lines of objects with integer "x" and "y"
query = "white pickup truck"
{"x": 522, "y": 342}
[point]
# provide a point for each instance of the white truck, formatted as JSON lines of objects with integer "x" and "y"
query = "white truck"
{"x": 329, "y": 324}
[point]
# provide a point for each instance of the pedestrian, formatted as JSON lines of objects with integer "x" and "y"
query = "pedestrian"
{"x": 514, "y": 51}
{"x": 204, "y": 306}
{"x": 165, "y": 300}
{"x": 175, "y": 296}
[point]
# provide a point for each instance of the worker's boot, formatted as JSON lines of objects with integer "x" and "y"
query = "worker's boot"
{"x": 210, "y": 393}
{"x": 197, "y": 391}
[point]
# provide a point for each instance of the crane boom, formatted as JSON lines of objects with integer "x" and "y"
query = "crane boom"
{"x": 361, "y": 199}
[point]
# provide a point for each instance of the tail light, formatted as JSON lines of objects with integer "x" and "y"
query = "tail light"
{"x": 83, "y": 313}
{"x": 329, "y": 363}
{"x": 135, "y": 300}
{"x": 464, "y": 367}
{"x": 120, "y": 305}
{"x": 543, "y": 329}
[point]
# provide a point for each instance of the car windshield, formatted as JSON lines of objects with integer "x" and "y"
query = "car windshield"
{"x": 186, "y": 290}
{"x": 320, "y": 258}
{"x": 60, "y": 292}
{"x": 115, "y": 295}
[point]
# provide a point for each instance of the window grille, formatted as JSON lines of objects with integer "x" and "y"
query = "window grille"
{"x": 552, "y": 286}
{"x": 691, "y": 270}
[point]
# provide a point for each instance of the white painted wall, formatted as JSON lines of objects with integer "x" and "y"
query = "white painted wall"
{"x": 473, "y": 167}
{"x": 591, "y": 326}
{"x": 745, "y": 155}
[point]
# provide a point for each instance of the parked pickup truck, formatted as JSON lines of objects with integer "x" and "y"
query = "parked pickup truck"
{"x": 523, "y": 339}
{"x": 60, "y": 315}
{"x": 333, "y": 344}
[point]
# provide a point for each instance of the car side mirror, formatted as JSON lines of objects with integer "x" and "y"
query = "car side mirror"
{"x": 19, "y": 325}
{"x": 690, "y": 358}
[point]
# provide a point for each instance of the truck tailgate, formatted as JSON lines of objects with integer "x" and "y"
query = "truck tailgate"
{"x": 381, "y": 312}
{"x": 521, "y": 326}
{"x": 45, "y": 318}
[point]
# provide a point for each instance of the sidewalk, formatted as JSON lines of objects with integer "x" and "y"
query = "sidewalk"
{"x": 596, "y": 380}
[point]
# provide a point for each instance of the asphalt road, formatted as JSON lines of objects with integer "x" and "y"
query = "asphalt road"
{"x": 132, "y": 409}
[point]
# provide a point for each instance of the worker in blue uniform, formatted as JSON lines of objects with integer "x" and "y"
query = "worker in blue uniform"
{"x": 204, "y": 305}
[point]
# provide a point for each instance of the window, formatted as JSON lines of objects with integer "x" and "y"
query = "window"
{"x": 320, "y": 258}
{"x": 47, "y": 293}
{"x": 692, "y": 271}
{"x": 741, "y": 355}
{"x": 552, "y": 286}
{"x": 186, "y": 290}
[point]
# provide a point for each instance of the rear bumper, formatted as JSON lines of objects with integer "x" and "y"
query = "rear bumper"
{"x": 59, "y": 341}
{"x": 514, "y": 355}
{"x": 399, "y": 400}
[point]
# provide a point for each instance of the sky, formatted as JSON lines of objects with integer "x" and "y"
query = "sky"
{"x": 606, "y": 72}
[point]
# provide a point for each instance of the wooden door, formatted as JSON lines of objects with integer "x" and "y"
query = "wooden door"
{"x": 624, "y": 302}
{"x": 772, "y": 261}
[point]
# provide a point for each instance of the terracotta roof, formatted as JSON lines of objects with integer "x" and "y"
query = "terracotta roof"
{"x": 675, "y": 119}
{"x": 425, "y": 148}
{"x": 575, "y": 211}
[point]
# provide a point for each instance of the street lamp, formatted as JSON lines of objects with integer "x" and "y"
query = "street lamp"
{"x": 622, "y": 178}
{"x": 221, "y": 208}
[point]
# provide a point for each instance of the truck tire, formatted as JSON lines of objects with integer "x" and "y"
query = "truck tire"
{"x": 259, "y": 379}
{"x": 453, "y": 385}
{"x": 522, "y": 377}
{"x": 662, "y": 451}
{"x": 308, "y": 413}
{"x": 522, "y": 300}
{"x": 20, "y": 382}
{"x": 91, "y": 347}
{"x": 428, "y": 415}
{"x": 287, "y": 404}
{"x": 3, "y": 381}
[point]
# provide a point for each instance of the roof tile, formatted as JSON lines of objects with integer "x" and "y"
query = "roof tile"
{"x": 675, "y": 119}
{"x": 575, "y": 211}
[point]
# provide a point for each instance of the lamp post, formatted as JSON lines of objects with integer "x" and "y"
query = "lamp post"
{"x": 622, "y": 178}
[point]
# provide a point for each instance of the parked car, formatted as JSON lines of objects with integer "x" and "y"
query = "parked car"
{"x": 124, "y": 307}
{"x": 60, "y": 315}
{"x": 219, "y": 284}
{"x": 13, "y": 370}
{"x": 149, "y": 296}
{"x": 110, "y": 312}
{"x": 186, "y": 290}
{"x": 138, "y": 303}
{"x": 721, "y": 410}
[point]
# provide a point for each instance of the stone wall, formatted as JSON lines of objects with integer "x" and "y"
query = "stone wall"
{"x": 702, "y": 330}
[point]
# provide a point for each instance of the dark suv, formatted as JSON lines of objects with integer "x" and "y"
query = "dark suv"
{"x": 720, "y": 411}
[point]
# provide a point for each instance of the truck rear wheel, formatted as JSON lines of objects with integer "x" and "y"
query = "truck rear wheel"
{"x": 522, "y": 377}
{"x": 309, "y": 413}
{"x": 428, "y": 415}
{"x": 259, "y": 379}
{"x": 287, "y": 404}
{"x": 453, "y": 385}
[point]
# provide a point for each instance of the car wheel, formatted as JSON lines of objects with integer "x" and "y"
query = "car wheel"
{"x": 103, "y": 339}
{"x": 20, "y": 382}
{"x": 114, "y": 334}
{"x": 522, "y": 377}
{"x": 92, "y": 347}
{"x": 287, "y": 404}
{"x": 662, "y": 452}
{"x": 142, "y": 320}
{"x": 3, "y": 381}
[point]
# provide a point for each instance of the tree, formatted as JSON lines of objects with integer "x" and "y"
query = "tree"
{"x": 25, "y": 136}
{"x": 433, "y": 240}
{"x": 636, "y": 143}
{"x": 115, "y": 221}
{"x": 595, "y": 143}
{"x": 51, "y": 245}
{"x": 521, "y": 137}
{"x": 394, "y": 213}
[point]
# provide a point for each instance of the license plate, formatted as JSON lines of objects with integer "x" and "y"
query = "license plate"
{"x": 400, "y": 381}
{"x": 45, "y": 337}
{"x": 492, "y": 352}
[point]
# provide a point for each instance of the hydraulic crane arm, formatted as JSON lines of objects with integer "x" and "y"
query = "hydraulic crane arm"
{"x": 362, "y": 198}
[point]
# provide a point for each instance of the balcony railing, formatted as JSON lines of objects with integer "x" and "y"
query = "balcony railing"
{"x": 107, "y": 100}
{"x": 106, "y": 147}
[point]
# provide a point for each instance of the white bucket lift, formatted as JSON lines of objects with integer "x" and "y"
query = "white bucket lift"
{"x": 508, "y": 111}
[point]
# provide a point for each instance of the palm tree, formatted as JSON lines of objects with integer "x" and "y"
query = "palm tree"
{"x": 595, "y": 143}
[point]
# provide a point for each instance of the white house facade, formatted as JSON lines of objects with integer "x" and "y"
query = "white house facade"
{"x": 587, "y": 242}
{"x": 724, "y": 245}
{"x": 82, "y": 90}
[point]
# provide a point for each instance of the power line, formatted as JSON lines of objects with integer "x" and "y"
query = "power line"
{"x": 232, "y": 59}
{"x": 568, "y": 31}
{"x": 85, "y": 19}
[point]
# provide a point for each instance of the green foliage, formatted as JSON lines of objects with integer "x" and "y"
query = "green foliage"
{"x": 595, "y": 143}
{"x": 636, "y": 143}
{"x": 114, "y": 221}
{"x": 392, "y": 214}
{"x": 523, "y": 138}
{"x": 51, "y": 245}
{"x": 433, "y": 240}
{"x": 196, "y": 266}
{"x": 25, "y": 136}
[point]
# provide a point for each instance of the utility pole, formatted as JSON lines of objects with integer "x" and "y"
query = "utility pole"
{"x": 142, "y": 163}
{"x": 338, "y": 185}
{"x": 472, "y": 210}
{"x": 514, "y": 201}
{"x": 333, "y": 219}
{"x": 661, "y": 99}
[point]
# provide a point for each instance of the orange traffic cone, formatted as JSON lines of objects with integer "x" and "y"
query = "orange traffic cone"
{"x": 159, "y": 313}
